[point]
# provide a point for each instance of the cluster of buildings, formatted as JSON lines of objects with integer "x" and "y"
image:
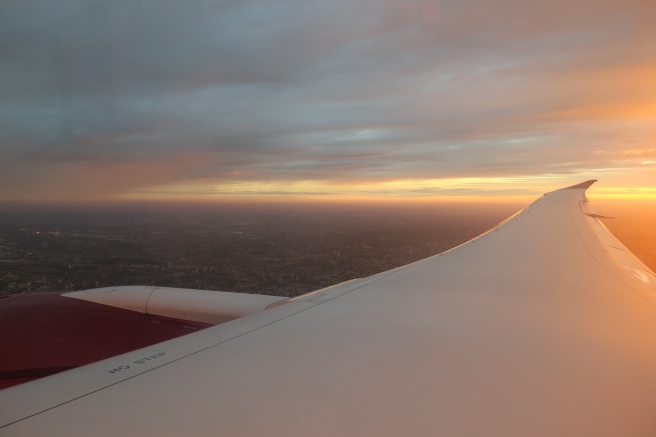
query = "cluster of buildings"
{"x": 251, "y": 252}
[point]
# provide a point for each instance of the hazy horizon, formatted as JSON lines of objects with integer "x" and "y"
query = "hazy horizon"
{"x": 279, "y": 249}
{"x": 376, "y": 106}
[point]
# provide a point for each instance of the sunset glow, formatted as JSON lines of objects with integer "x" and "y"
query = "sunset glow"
{"x": 326, "y": 100}
{"x": 432, "y": 189}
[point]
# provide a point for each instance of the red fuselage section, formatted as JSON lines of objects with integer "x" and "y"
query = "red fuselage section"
{"x": 46, "y": 333}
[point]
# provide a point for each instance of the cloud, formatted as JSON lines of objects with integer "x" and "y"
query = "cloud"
{"x": 337, "y": 91}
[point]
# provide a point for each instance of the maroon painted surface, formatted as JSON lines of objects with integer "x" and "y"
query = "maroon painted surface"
{"x": 45, "y": 333}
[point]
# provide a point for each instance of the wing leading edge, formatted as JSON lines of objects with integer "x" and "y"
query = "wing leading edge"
{"x": 542, "y": 326}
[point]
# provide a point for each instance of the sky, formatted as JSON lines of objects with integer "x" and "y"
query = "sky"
{"x": 207, "y": 100}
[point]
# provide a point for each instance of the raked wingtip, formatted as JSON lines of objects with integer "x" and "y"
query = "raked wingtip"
{"x": 582, "y": 186}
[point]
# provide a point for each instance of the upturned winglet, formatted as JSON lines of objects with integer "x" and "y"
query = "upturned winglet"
{"x": 582, "y": 186}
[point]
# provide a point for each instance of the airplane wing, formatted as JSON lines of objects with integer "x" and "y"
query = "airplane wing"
{"x": 543, "y": 326}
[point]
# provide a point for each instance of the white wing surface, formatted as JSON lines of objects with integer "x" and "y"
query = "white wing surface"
{"x": 543, "y": 326}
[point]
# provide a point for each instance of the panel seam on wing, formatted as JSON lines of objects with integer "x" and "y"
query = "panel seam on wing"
{"x": 314, "y": 302}
{"x": 587, "y": 220}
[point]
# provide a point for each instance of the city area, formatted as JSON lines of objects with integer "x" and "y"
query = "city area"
{"x": 283, "y": 250}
